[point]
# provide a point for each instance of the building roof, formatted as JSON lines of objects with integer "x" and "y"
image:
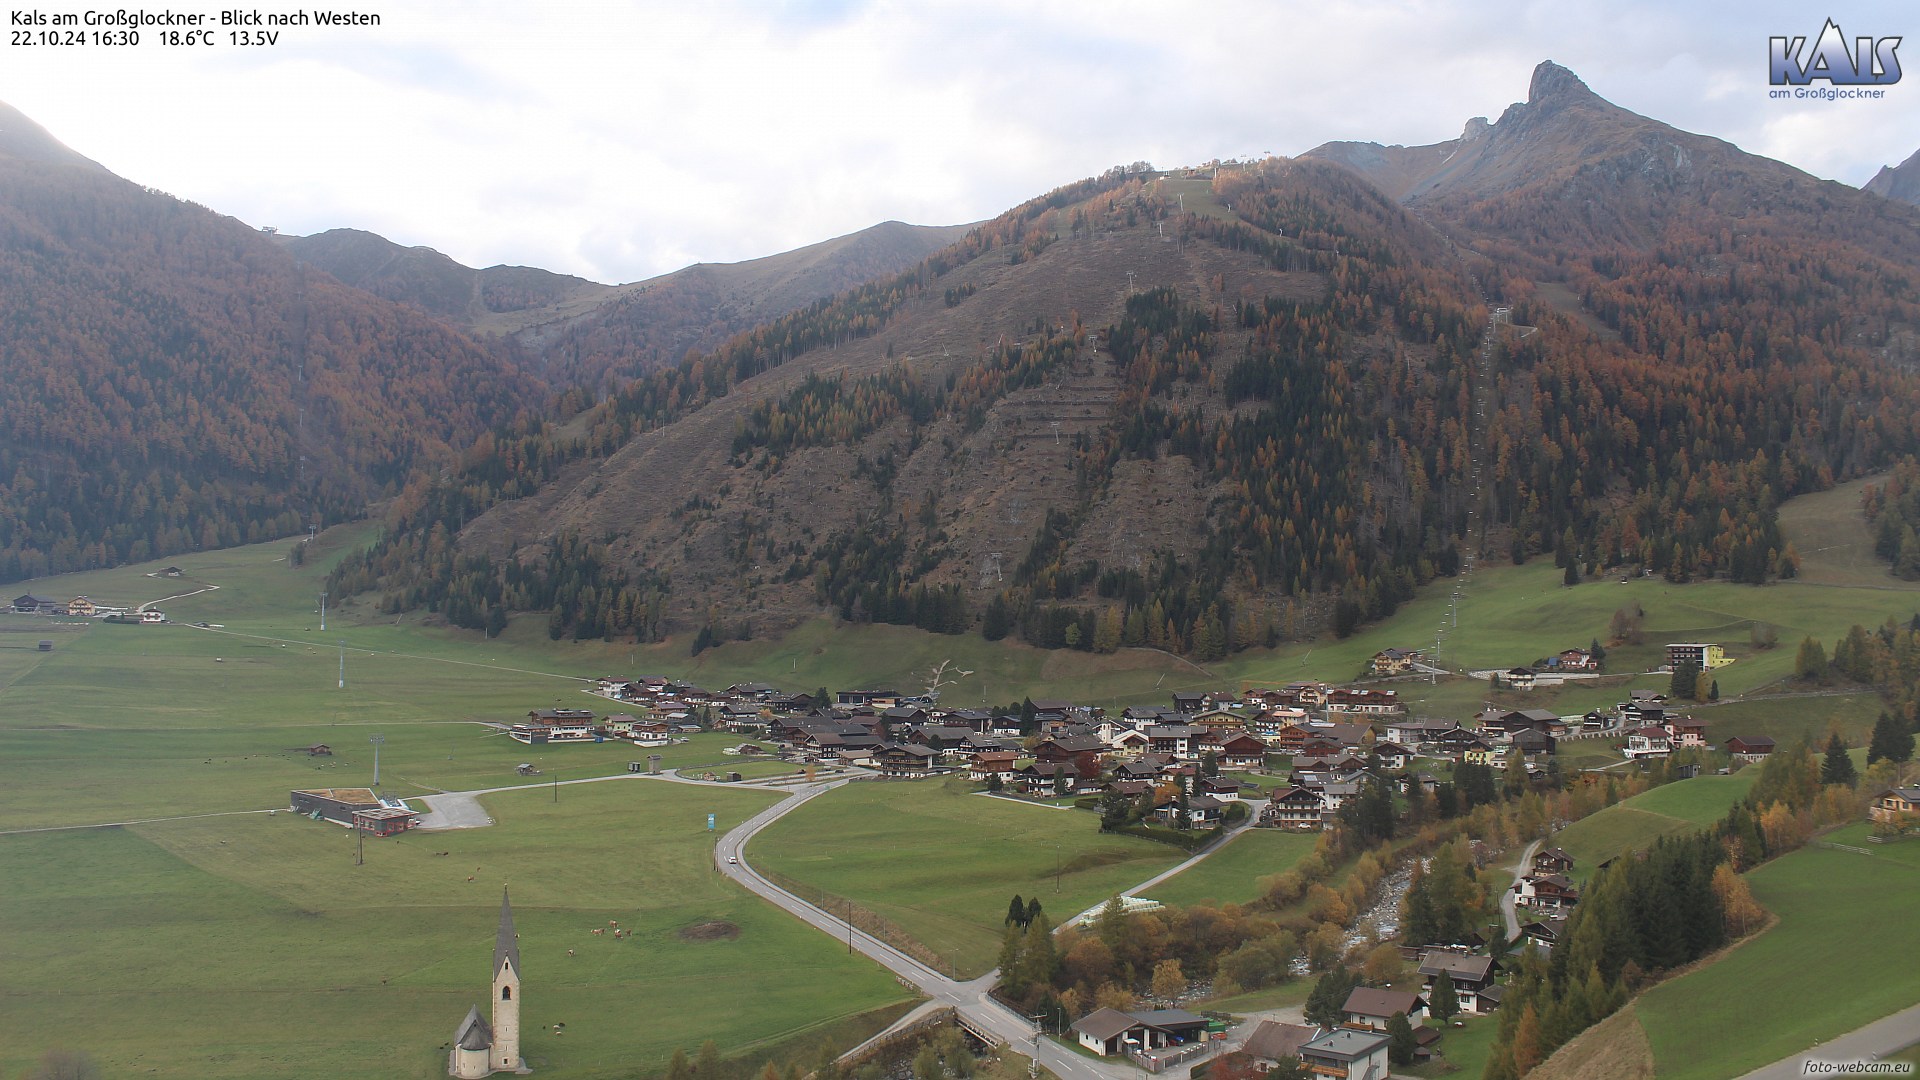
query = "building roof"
{"x": 1170, "y": 1018}
{"x": 474, "y": 1033}
{"x": 506, "y": 946}
{"x": 1372, "y": 1001}
{"x": 1345, "y": 1044}
{"x": 1274, "y": 1040}
{"x": 1104, "y": 1024}
{"x": 1457, "y": 965}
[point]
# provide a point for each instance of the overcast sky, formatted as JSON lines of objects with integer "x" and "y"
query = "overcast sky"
{"x": 622, "y": 140}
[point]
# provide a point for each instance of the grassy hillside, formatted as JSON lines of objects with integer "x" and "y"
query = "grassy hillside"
{"x": 1685, "y": 806}
{"x": 1738, "y": 1013}
{"x": 1232, "y": 874}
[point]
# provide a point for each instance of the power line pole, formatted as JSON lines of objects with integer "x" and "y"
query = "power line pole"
{"x": 376, "y": 740}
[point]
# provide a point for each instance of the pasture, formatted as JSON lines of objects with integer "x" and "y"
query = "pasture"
{"x": 1846, "y": 925}
{"x": 1674, "y": 809}
{"x": 1231, "y": 875}
{"x": 253, "y": 945}
{"x": 941, "y": 863}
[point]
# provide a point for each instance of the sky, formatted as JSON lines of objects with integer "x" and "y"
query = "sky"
{"x": 618, "y": 141}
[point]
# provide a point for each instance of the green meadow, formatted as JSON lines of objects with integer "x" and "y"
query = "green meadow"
{"x": 1231, "y": 875}
{"x": 1677, "y": 808}
{"x": 942, "y": 863}
{"x": 1846, "y": 928}
{"x": 254, "y": 946}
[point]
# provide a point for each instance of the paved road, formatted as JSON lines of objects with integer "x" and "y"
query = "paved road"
{"x": 1506, "y": 898}
{"x": 1870, "y": 1043}
{"x": 968, "y": 998}
{"x": 1235, "y": 831}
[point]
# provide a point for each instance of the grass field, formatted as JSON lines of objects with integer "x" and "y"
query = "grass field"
{"x": 1846, "y": 926}
{"x": 1684, "y": 806}
{"x": 1232, "y": 874}
{"x": 253, "y": 946}
{"x": 942, "y": 863}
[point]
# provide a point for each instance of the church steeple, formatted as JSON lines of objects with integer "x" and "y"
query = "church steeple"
{"x": 506, "y": 947}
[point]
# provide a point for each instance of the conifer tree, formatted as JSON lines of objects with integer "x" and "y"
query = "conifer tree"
{"x": 1838, "y": 766}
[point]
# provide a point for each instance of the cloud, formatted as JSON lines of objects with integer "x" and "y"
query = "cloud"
{"x": 622, "y": 140}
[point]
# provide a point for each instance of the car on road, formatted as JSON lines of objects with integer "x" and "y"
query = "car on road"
{"x": 733, "y": 860}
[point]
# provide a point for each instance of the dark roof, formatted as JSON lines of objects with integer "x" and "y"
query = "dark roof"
{"x": 1170, "y": 1018}
{"x": 1371, "y": 1001}
{"x": 1457, "y": 965}
{"x": 1273, "y": 1040}
{"x": 1075, "y": 744}
{"x": 506, "y": 946}
{"x": 1345, "y": 1044}
{"x": 473, "y": 1033}
{"x": 1104, "y": 1024}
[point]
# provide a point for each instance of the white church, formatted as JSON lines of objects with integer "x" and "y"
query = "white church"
{"x": 482, "y": 1049}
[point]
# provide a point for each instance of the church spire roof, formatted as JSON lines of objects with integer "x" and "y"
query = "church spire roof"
{"x": 506, "y": 947}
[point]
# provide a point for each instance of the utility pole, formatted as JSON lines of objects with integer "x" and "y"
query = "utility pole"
{"x": 323, "y": 611}
{"x": 343, "y": 663}
{"x": 360, "y": 845}
{"x": 376, "y": 740}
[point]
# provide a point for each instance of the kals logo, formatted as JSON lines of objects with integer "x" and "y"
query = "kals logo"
{"x": 1872, "y": 62}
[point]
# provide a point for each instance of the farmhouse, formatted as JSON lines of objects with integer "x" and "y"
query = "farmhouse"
{"x": 1393, "y": 661}
{"x": 1896, "y": 806}
{"x": 1552, "y": 861}
{"x": 1472, "y": 978}
{"x": 1369, "y": 1009}
{"x": 1273, "y": 1040}
{"x": 1545, "y": 892}
{"x": 990, "y": 764}
{"x": 1294, "y": 808}
{"x": 1750, "y": 748}
{"x": 31, "y": 604}
{"x": 1649, "y": 741}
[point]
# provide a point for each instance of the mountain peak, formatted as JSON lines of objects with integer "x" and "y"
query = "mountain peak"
{"x": 1900, "y": 183}
{"x": 1553, "y": 83}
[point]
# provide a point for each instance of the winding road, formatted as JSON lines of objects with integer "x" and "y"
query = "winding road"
{"x": 969, "y": 999}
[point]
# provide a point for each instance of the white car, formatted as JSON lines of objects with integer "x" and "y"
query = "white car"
{"x": 733, "y": 860}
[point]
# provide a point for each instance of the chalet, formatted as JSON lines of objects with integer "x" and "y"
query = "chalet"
{"x": 1371, "y": 703}
{"x": 1686, "y": 733}
{"x": 1472, "y": 977}
{"x": 1046, "y": 778}
{"x": 1545, "y": 933}
{"x": 904, "y": 716}
{"x": 904, "y": 760}
{"x": 1335, "y": 794}
{"x": 1176, "y": 740}
{"x": 834, "y": 746}
{"x": 1477, "y": 752}
{"x": 1189, "y": 703}
{"x": 1268, "y": 723}
{"x": 80, "y": 607}
{"x": 1272, "y": 1040}
{"x": 1496, "y": 722}
{"x": 1578, "y": 661}
{"x": 752, "y": 691}
{"x": 1223, "y": 788}
{"x": 1545, "y": 892}
{"x": 1241, "y": 751}
{"x": 976, "y": 720}
{"x": 1648, "y": 741}
{"x": 947, "y": 740}
{"x": 1082, "y": 752}
{"x": 1347, "y": 735}
{"x": 1369, "y": 1009}
{"x": 1455, "y": 741}
{"x": 1109, "y": 1031}
{"x": 1289, "y": 738}
{"x": 1129, "y": 741}
{"x": 1552, "y": 861}
{"x": 1701, "y": 656}
{"x": 1203, "y": 811}
{"x": 1295, "y": 808}
{"x": 1531, "y": 742}
{"x": 1393, "y": 661}
{"x": 1750, "y": 748}
{"x": 1222, "y": 722}
{"x": 1518, "y": 678}
{"x": 1391, "y": 755}
{"x": 31, "y": 604}
{"x": 1346, "y": 1054}
{"x": 1146, "y": 768}
{"x": 790, "y": 704}
{"x": 1053, "y": 709}
{"x": 990, "y": 764}
{"x": 552, "y": 717}
{"x": 1896, "y": 806}
{"x": 975, "y": 744}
